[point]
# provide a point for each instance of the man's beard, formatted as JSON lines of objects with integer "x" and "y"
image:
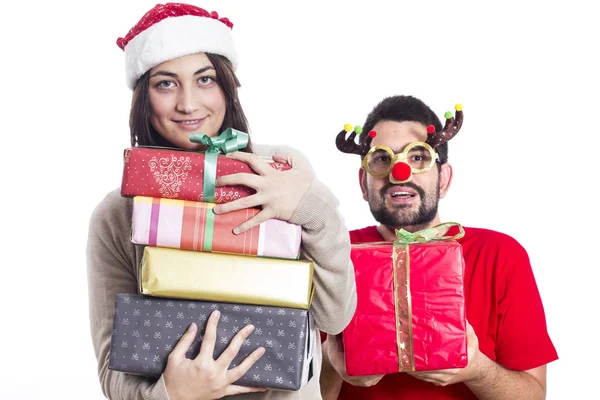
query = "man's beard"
{"x": 399, "y": 216}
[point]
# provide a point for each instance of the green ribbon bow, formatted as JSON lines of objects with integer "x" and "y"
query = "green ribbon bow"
{"x": 228, "y": 141}
{"x": 429, "y": 234}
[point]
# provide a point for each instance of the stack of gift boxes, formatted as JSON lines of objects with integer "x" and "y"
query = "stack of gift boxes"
{"x": 193, "y": 264}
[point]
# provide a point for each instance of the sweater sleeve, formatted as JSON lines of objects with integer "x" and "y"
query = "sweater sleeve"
{"x": 326, "y": 241}
{"x": 111, "y": 268}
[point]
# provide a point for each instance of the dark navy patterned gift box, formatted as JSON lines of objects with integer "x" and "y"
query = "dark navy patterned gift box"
{"x": 146, "y": 329}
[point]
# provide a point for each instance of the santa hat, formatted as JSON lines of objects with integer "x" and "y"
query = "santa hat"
{"x": 174, "y": 30}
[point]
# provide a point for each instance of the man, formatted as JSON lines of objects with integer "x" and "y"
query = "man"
{"x": 508, "y": 344}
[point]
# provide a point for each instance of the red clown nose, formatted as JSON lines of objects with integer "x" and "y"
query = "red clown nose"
{"x": 401, "y": 171}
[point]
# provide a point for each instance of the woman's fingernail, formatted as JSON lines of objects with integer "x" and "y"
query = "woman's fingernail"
{"x": 216, "y": 314}
{"x": 236, "y": 230}
{"x": 192, "y": 327}
{"x": 217, "y": 209}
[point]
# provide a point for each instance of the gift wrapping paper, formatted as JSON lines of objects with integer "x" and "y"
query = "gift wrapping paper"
{"x": 179, "y": 174}
{"x": 410, "y": 314}
{"x": 192, "y": 225}
{"x": 187, "y": 274}
{"x": 146, "y": 329}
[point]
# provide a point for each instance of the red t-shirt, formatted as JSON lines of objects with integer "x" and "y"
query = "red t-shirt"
{"x": 503, "y": 305}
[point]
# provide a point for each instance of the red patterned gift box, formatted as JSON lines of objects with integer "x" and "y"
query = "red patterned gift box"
{"x": 179, "y": 174}
{"x": 410, "y": 314}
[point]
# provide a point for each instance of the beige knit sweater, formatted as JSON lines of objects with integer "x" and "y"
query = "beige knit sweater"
{"x": 112, "y": 262}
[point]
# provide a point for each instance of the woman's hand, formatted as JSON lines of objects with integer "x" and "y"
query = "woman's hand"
{"x": 277, "y": 192}
{"x": 205, "y": 378}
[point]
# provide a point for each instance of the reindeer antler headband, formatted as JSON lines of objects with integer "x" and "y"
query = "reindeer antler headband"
{"x": 450, "y": 129}
{"x": 434, "y": 139}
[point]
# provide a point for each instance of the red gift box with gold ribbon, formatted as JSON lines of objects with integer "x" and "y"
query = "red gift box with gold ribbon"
{"x": 410, "y": 314}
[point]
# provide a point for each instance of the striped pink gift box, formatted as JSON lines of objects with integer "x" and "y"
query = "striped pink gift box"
{"x": 192, "y": 225}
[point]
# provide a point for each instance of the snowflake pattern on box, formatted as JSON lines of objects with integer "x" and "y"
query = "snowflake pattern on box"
{"x": 144, "y": 333}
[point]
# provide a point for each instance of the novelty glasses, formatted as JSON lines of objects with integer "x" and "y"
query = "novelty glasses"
{"x": 417, "y": 157}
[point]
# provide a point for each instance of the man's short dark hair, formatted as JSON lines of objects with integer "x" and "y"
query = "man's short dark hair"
{"x": 406, "y": 108}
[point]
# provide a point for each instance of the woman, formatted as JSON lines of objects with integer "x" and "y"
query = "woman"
{"x": 180, "y": 64}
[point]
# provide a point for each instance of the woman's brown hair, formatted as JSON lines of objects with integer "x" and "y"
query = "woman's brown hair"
{"x": 144, "y": 134}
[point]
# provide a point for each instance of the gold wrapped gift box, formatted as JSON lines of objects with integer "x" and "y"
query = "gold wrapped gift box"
{"x": 186, "y": 274}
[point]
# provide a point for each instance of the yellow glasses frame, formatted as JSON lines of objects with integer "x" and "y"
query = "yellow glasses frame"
{"x": 399, "y": 157}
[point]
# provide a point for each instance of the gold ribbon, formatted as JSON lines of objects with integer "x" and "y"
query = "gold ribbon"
{"x": 402, "y": 297}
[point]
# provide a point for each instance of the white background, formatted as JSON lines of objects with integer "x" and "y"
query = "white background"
{"x": 525, "y": 161}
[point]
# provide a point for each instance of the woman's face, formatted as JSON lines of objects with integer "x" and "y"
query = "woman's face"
{"x": 185, "y": 99}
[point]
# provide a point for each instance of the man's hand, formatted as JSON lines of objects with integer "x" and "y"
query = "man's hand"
{"x": 445, "y": 377}
{"x": 335, "y": 353}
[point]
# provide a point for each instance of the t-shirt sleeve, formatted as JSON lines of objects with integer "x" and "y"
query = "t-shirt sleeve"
{"x": 522, "y": 339}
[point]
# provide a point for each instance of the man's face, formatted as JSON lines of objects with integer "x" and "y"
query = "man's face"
{"x": 412, "y": 205}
